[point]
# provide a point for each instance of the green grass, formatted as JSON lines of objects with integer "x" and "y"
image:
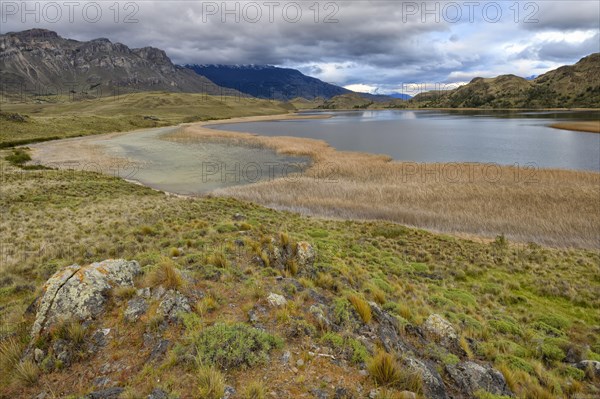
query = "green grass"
{"x": 64, "y": 118}
{"x": 524, "y": 306}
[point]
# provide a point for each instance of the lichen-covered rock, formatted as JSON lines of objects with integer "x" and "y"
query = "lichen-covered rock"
{"x": 79, "y": 292}
{"x": 433, "y": 384}
{"x": 173, "y": 304}
{"x": 471, "y": 377}
{"x": 387, "y": 331}
{"x": 276, "y": 300}
{"x": 109, "y": 393}
{"x": 440, "y": 328}
{"x": 318, "y": 311}
{"x": 158, "y": 393}
{"x": 305, "y": 254}
{"x": 135, "y": 308}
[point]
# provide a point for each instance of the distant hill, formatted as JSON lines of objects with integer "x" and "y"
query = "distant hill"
{"x": 566, "y": 87}
{"x": 400, "y": 96}
{"x": 40, "y": 62}
{"x": 361, "y": 101}
{"x": 265, "y": 81}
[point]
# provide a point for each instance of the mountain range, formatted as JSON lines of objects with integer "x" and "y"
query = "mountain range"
{"x": 39, "y": 62}
{"x": 266, "y": 81}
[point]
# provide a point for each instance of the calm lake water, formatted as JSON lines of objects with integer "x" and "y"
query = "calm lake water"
{"x": 504, "y": 138}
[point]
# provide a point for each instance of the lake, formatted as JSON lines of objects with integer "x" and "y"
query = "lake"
{"x": 501, "y": 137}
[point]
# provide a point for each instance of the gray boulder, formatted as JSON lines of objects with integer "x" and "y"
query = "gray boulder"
{"x": 172, "y": 304}
{"x": 441, "y": 331}
{"x": 158, "y": 393}
{"x": 305, "y": 256}
{"x": 432, "y": 381}
{"x": 471, "y": 377}
{"x": 135, "y": 308}
{"x": 318, "y": 311}
{"x": 79, "y": 292}
{"x": 276, "y": 300}
{"x": 589, "y": 365}
{"x": 439, "y": 327}
{"x": 109, "y": 393}
{"x": 388, "y": 332}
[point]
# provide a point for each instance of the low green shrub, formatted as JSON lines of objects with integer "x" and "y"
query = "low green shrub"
{"x": 234, "y": 345}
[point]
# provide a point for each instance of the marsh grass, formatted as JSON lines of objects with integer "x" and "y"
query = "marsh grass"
{"x": 524, "y": 204}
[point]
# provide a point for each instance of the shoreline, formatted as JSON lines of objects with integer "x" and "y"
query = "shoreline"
{"x": 375, "y": 187}
{"x": 578, "y": 126}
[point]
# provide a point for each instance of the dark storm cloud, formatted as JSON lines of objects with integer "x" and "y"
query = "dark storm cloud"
{"x": 373, "y": 42}
{"x": 562, "y": 51}
{"x": 564, "y": 15}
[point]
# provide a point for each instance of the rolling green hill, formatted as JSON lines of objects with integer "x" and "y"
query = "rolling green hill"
{"x": 571, "y": 86}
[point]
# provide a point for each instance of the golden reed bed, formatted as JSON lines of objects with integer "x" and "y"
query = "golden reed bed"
{"x": 551, "y": 207}
{"x": 587, "y": 126}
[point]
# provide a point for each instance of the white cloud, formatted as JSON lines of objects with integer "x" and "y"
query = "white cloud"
{"x": 362, "y": 88}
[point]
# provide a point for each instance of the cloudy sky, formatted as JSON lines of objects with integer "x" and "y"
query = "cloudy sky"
{"x": 371, "y": 45}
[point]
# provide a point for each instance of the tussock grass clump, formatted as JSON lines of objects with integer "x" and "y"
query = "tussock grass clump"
{"x": 124, "y": 292}
{"x": 234, "y": 345}
{"x": 10, "y": 354}
{"x": 361, "y": 306}
{"x": 27, "y": 372}
{"x": 72, "y": 331}
{"x": 206, "y": 305}
{"x": 291, "y": 266}
{"x": 211, "y": 383}
{"x": 218, "y": 260}
{"x": 384, "y": 369}
{"x": 18, "y": 157}
{"x": 254, "y": 390}
{"x": 166, "y": 273}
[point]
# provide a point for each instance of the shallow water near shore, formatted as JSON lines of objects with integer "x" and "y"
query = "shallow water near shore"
{"x": 501, "y": 137}
{"x": 194, "y": 167}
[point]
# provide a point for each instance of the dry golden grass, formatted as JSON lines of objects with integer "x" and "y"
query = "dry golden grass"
{"x": 547, "y": 206}
{"x": 384, "y": 369}
{"x": 362, "y": 307}
{"x": 166, "y": 274}
{"x": 211, "y": 383}
{"x": 587, "y": 126}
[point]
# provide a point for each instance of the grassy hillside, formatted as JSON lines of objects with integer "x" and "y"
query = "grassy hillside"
{"x": 528, "y": 310}
{"x": 37, "y": 121}
{"x": 570, "y": 86}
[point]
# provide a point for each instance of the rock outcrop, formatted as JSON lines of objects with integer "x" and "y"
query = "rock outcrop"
{"x": 90, "y": 69}
{"x": 79, "y": 292}
{"x": 472, "y": 377}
